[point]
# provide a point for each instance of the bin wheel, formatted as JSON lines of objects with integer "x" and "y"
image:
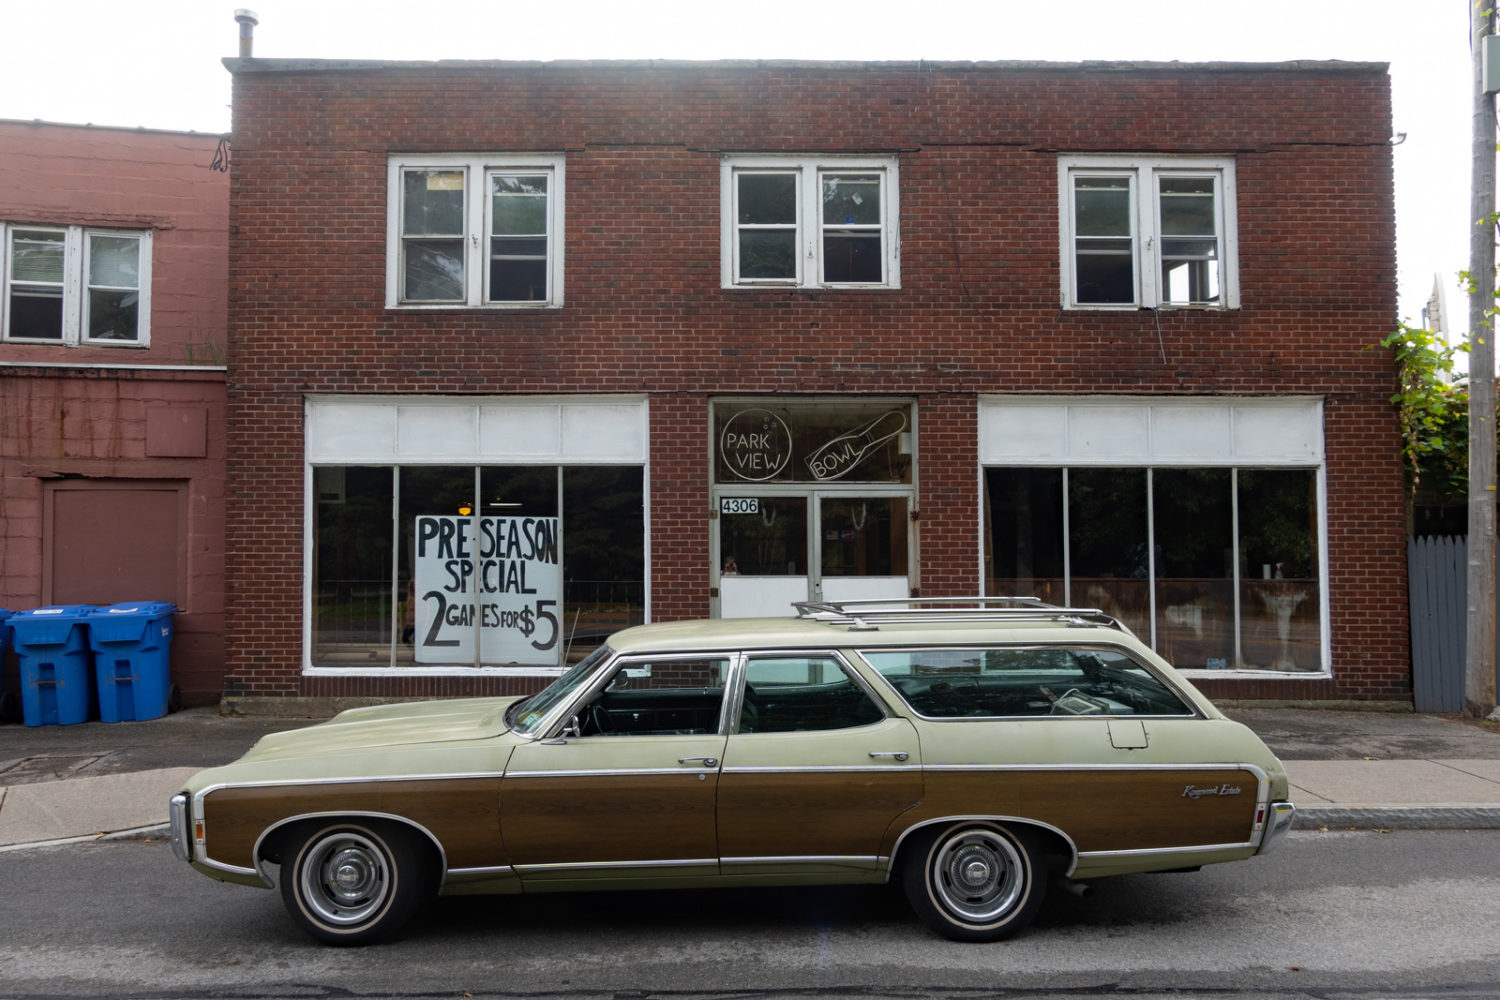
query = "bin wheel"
{"x": 354, "y": 882}
{"x": 174, "y": 698}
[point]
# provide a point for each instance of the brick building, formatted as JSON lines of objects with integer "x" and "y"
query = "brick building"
{"x": 523, "y": 352}
{"x": 114, "y": 253}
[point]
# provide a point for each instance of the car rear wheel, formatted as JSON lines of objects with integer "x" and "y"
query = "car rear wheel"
{"x": 975, "y": 881}
{"x": 352, "y": 882}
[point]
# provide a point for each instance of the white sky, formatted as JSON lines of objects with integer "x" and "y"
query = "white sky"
{"x": 156, "y": 63}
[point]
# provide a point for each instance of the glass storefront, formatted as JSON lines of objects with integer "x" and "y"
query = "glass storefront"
{"x": 1216, "y": 567}
{"x": 487, "y": 565}
{"x": 812, "y": 501}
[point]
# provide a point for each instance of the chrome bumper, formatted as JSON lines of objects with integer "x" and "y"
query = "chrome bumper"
{"x": 177, "y": 821}
{"x": 1277, "y": 823}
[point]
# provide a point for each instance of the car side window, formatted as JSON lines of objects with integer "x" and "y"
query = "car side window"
{"x": 662, "y": 696}
{"x": 1025, "y": 681}
{"x": 790, "y": 694}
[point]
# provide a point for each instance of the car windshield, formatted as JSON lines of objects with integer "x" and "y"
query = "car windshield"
{"x": 525, "y": 716}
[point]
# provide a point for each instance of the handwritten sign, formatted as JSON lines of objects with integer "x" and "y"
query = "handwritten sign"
{"x": 515, "y": 569}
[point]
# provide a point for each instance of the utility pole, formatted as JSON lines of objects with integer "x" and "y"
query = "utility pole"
{"x": 1479, "y": 687}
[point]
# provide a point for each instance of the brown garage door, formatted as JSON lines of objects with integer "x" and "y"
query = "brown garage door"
{"x": 107, "y": 541}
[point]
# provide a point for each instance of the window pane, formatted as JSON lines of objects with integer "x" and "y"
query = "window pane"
{"x": 1187, "y": 206}
{"x": 113, "y": 315}
{"x": 351, "y": 586}
{"x": 434, "y": 271}
{"x": 1107, "y": 544}
{"x": 518, "y": 280}
{"x": 851, "y": 200}
{"x": 1190, "y": 280}
{"x": 434, "y": 629}
{"x": 35, "y": 313}
{"x": 846, "y": 440}
{"x": 1280, "y": 584}
{"x": 1025, "y": 682}
{"x": 1104, "y": 273}
{"x": 767, "y": 198}
{"x": 802, "y": 694}
{"x": 1023, "y": 514}
{"x": 1101, "y": 206}
{"x": 852, "y": 257}
{"x": 771, "y": 541}
{"x": 434, "y": 203}
{"x": 114, "y": 260}
{"x": 770, "y": 254}
{"x": 663, "y": 697}
{"x": 864, "y": 536}
{"x": 519, "y": 205}
{"x": 604, "y": 553}
{"x": 1195, "y": 567}
{"x": 36, "y": 256}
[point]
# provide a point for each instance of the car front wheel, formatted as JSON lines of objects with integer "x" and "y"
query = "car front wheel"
{"x": 353, "y": 883}
{"x": 975, "y": 881}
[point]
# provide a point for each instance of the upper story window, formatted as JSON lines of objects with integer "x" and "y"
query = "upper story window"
{"x": 809, "y": 222}
{"x": 1143, "y": 232}
{"x": 483, "y": 230}
{"x": 73, "y": 285}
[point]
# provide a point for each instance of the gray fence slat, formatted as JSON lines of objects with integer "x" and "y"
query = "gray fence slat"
{"x": 1437, "y": 591}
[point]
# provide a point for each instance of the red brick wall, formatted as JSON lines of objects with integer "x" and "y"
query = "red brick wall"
{"x": 83, "y": 411}
{"x": 977, "y": 311}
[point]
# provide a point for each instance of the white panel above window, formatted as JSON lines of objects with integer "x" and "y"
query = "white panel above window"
{"x": 1161, "y": 431}
{"x": 443, "y": 430}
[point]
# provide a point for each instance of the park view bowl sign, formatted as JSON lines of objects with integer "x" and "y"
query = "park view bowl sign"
{"x": 755, "y": 445}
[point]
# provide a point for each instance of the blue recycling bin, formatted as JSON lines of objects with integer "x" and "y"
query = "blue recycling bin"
{"x": 131, "y": 644}
{"x": 56, "y": 664}
{"x": 7, "y": 697}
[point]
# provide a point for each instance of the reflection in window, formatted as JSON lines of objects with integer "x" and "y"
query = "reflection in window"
{"x": 351, "y": 599}
{"x": 802, "y": 694}
{"x": 1107, "y": 548}
{"x": 1015, "y": 681}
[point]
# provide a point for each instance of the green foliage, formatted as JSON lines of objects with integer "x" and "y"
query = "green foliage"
{"x": 1433, "y": 414}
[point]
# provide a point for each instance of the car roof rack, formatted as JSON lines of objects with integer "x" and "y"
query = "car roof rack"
{"x": 868, "y": 615}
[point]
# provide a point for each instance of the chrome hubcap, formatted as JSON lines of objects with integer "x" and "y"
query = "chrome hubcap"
{"x": 345, "y": 878}
{"x": 977, "y": 875}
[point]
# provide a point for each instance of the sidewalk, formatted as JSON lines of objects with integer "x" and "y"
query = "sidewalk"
{"x": 1348, "y": 770}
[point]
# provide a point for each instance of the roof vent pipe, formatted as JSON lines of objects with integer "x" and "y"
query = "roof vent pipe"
{"x": 247, "y": 22}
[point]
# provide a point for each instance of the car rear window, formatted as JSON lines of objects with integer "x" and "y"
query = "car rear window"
{"x": 1024, "y": 681}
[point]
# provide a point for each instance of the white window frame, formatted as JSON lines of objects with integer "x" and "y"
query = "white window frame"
{"x": 1144, "y": 173}
{"x": 476, "y": 169}
{"x": 810, "y": 170}
{"x": 75, "y": 284}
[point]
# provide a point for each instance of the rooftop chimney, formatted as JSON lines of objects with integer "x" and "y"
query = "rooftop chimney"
{"x": 247, "y": 22}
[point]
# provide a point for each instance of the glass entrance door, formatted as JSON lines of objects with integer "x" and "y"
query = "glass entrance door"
{"x": 817, "y": 545}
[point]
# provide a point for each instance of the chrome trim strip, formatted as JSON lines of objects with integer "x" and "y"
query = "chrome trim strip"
{"x": 349, "y": 814}
{"x": 350, "y": 780}
{"x": 1254, "y": 769}
{"x": 684, "y": 770}
{"x": 1072, "y": 847}
{"x": 586, "y": 866}
{"x": 809, "y": 859}
{"x": 232, "y": 869}
{"x": 828, "y": 769}
{"x": 494, "y": 870}
{"x": 1146, "y": 852}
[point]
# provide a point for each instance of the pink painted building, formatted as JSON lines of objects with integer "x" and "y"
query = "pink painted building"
{"x": 113, "y": 302}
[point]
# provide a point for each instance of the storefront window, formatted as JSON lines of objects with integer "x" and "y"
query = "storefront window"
{"x": 484, "y": 571}
{"x": 1218, "y": 570}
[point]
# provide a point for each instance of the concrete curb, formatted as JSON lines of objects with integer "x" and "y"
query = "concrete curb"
{"x": 1435, "y": 816}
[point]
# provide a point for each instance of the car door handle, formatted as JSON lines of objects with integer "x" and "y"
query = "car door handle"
{"x": 898, "y": 754}
{"x": 705, "y": 761}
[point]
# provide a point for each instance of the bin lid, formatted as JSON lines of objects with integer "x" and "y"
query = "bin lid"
{"x": 141, "y": 609}
{"x": 48, "y": 626}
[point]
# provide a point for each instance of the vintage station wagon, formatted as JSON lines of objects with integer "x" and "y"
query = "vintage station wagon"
{"x": 976, "y": 749}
